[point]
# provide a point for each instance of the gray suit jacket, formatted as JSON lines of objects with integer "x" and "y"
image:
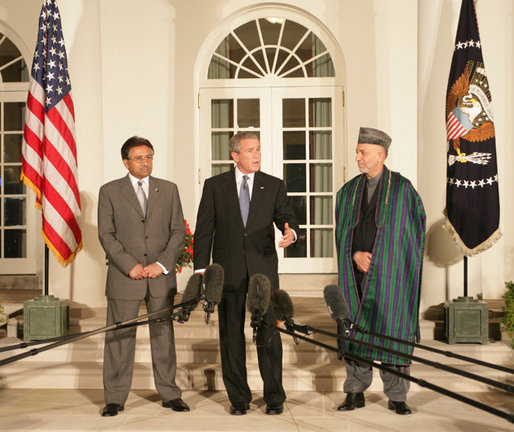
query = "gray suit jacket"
{"x": 129, "y": 238}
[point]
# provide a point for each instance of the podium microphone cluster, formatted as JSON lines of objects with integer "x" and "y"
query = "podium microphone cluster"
{"x": 337, "y": 307}
{"x": 213, "y": 279}
{"x": 257, "y": 302}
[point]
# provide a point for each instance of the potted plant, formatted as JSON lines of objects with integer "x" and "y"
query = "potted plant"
{"x": 508, "y": 317}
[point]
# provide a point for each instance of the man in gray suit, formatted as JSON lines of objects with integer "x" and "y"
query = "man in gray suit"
{"x": 142, "y": 230}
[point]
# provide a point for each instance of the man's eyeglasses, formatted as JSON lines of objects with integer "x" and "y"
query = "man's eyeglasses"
{"x": 141, "y": 159}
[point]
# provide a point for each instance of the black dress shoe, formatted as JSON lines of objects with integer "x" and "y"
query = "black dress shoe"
{"x": 112, "y": 409}
{"x": 399, "y": 407}
{"x": 239, "y": 410}
{"x": 352, "y": 401}
{"x": 176, "y": 405}
{"x": 274, "y": 409}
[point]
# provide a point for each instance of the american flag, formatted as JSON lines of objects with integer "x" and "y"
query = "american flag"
{"x": 49, "y": 155}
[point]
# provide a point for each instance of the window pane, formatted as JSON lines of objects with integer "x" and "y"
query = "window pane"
{"x": 320, "y": 145}
{"x": 322, "y": 241}
{"x": 299, "y": 204}
{"x": 15, "y": 243}
{"x": 14, "y": 114}
{"x": 231, "y": 49}
{"x": 321, "y": 177}
{"x": 320, "y": 112}
{"x": 14, "y": 211}
{"x": 323, "y": 67}
{"x": 17, "y": 72}
{"x": 299, "y": 248}
{"x": 293, "y": 32}
{"x": 270, "y": 30}
{"x": 248, "y": 113}
{"x": 12, "y": 147}
{"x": 222, "y": 113}
{"x": 250, "y": 64}
{"x": 294, "y": 176}
{"x": 220, "y": 148}
{"x": 293, "y": 113}
{"x": 294, "y": 145}
{"x": 221, "y": 168}
{"x": 248, "y": 35}
{"x": 12, "y": 184}
{"x": 321, "y": 210}
{"x": 220, "y": 69}
{"x": 292, "y": 63}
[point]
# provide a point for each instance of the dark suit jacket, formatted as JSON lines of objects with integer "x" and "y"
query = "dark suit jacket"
{"x": 129, "y": 238}
{"x": 219, "y": 228}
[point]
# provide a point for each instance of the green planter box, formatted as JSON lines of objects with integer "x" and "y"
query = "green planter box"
{"x": 45, "y": 317}
{"x": 465, "y": 321}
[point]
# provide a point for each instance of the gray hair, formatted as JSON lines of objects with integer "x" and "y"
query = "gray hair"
{"x": 234, "y": 144}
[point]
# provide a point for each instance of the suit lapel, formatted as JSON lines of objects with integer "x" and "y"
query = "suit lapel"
{"x": 129, "y": 193}
{"x": 258, "y": 198}
{"x": 230, "y": 190}
{"x": 153, "y": 195}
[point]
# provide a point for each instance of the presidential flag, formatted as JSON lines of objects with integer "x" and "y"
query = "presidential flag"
{"x": 472, "y": 199}
{"x": 49, "y": 155}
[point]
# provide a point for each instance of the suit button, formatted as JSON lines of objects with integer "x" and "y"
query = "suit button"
{"x": 147, "y": 237}
{"x": 146, "y": 254}
{"x": 246, "y": 235}
{"x": 142, "y": 220}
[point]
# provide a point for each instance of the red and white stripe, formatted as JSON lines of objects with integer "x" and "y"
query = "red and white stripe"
{"x": 454, "y": 128}
{"x": 49, "y": 167}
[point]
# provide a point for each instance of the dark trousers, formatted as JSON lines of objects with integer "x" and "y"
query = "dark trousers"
{"x": 231, "y": 312}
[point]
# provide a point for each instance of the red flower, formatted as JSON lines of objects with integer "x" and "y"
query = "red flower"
{"x": 185, "y": 258}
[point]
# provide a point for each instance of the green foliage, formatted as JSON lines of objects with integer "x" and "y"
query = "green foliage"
{"x": 508, "y": 318}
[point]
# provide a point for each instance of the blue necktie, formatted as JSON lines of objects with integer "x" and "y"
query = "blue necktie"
{"x": 244, "y": 199}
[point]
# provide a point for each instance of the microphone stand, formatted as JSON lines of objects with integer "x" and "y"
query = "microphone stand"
{"x": 63, "y": 340}
{"x": 470, "y": 375}
{"x": 435, "y": 350}
{"x": 420, "y": 382}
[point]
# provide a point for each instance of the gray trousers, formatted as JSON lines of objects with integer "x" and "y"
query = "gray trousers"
{"x": 359, "y": 377}
{"x": 120, "y": 347}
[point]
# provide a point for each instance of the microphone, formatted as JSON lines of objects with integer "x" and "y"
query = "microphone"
{"x": 257, "y": 302}
{"x": 284, "y": 311}
{"x": 192, "y": 294}
{"x": 213, "y": 279}
{"x": 337, "y": 307}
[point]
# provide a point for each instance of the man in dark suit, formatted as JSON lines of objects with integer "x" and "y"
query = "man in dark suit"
{"x": 235, "y": 222}
{"x": 142, "y": 230}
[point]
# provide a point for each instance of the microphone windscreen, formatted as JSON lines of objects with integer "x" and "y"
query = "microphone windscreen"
{"x": 337, "y": 306}
{"x": 193, "y": 288}
{"x": 282, "y": 305}
{"x": 213, "y": 279}
{"x": 259, "y": 289}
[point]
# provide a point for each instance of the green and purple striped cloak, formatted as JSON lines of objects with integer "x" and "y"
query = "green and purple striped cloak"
{"x": 390, "y": 300}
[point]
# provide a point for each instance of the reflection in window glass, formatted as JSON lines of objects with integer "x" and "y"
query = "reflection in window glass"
{"x": 248, "y": 114}
{"x": 293, "y": 113}
{"x": 12, "y": 147}
{"x": 11, "y": 181}
{"x": 15, "y": 244}
{"x": 299, "y": 204}
{"x": 299, "y": 248}
{"x": 294, "y": 145}
{"x": 294, "y": 176}
{"x": 14, "y": 211}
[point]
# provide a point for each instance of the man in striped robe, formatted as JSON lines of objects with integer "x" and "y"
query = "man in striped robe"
{"x": 380, "y": 237}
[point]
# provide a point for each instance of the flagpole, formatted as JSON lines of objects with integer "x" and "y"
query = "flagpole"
{"x": 47, "y": 259}
{"x": 465, "y": 276}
